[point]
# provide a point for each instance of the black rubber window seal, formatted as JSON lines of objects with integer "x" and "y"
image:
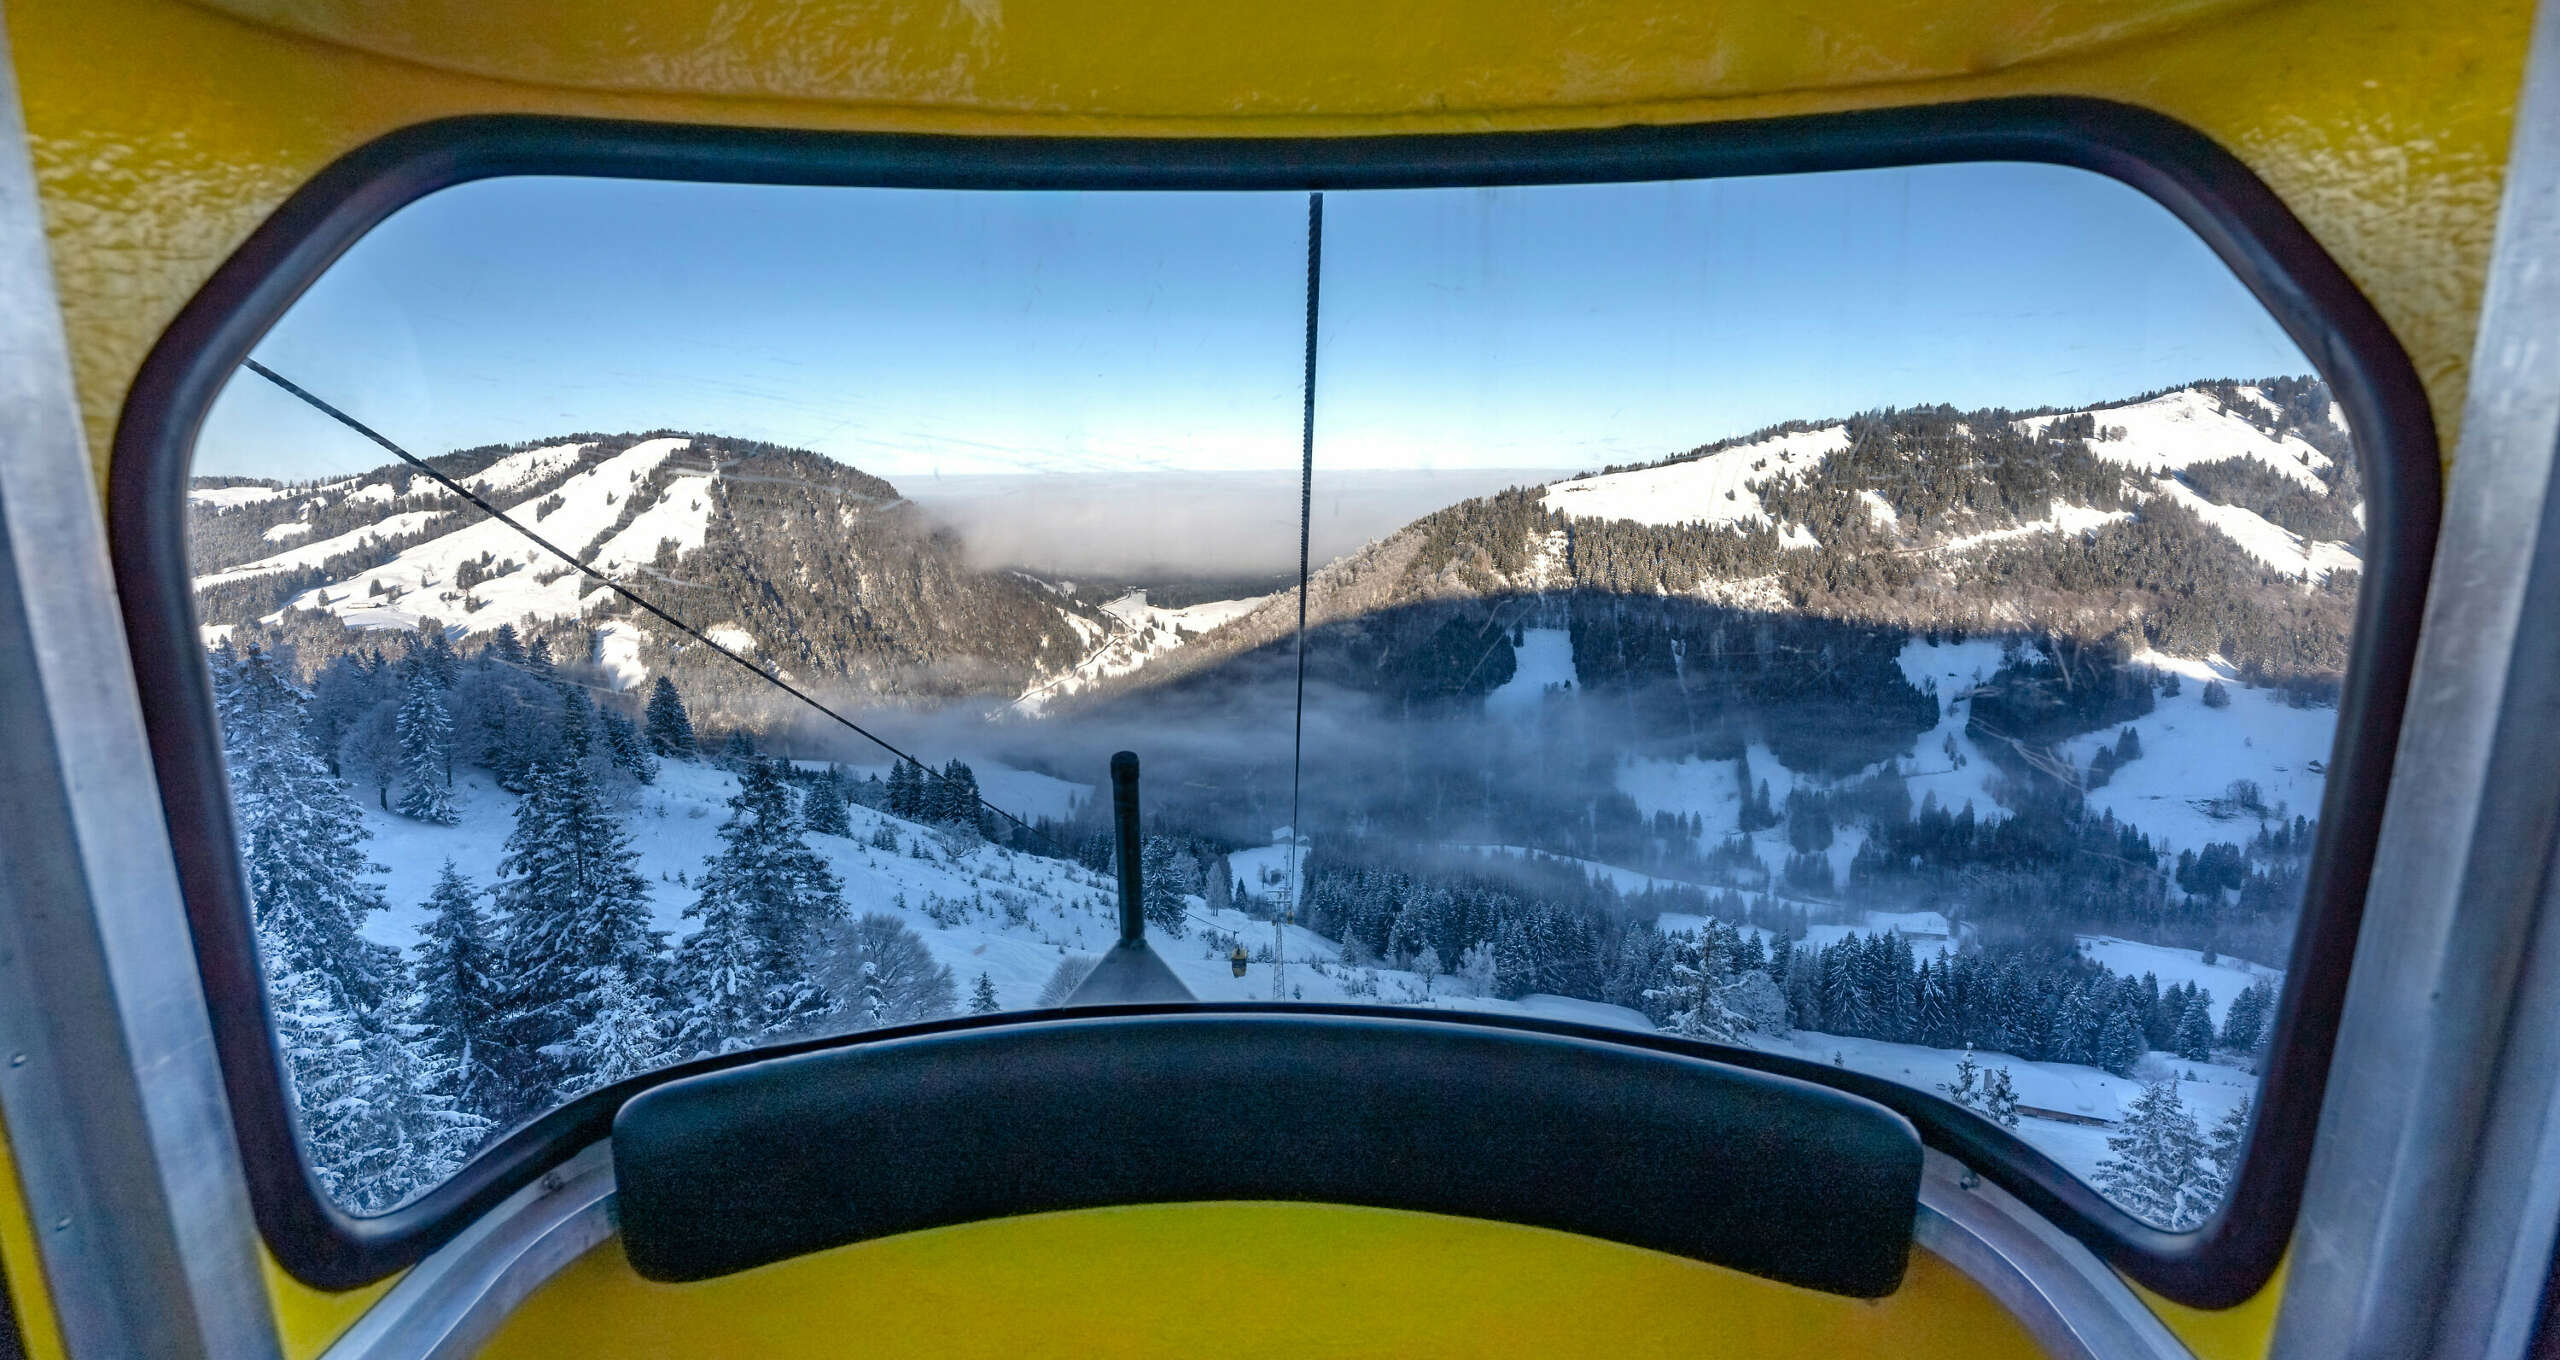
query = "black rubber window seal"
{"x": 2222, "y": 1263}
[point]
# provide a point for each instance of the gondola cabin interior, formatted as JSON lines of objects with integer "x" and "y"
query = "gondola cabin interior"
{"x": 1617, "y": 679}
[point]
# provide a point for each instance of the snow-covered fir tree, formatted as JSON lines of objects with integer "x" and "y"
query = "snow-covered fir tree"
{"x": 575, "y": 913}
{"x": 744, "y": 973}
{"x": 1691, "y": 1000}
{"x": 1165, "y": 874}
{"x": 982, "y": 997}
{"x": 669, "y": 727}
{"x": 625, "y": 1037}
{"x": 2000, "y": 1099}
{"x": 301, "y": 839}
{"x": 457, "y": 1008}
{"x": 2252, "y": 1013}
{"x": 2195, "y": 1028}
{"x": 823, "y": 806}
{"x": 426, "y": 739}
{"x": 2157, "y": 1171}
{"x": 374, "y": 1117}
{"x": 624, "y": 746}
{"x": 1966, "y": 1089}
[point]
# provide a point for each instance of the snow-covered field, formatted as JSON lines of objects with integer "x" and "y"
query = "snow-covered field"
{"x": 2192, "y": 754}
{"x": 1714, "y": 489}
{"x": 2061, "y": 1087}
{"x": 1542, "y": 662}
{"x": 2271, "y": 543}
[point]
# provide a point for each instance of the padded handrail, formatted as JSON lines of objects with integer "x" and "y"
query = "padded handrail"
{"x": 1765, "y": 1174}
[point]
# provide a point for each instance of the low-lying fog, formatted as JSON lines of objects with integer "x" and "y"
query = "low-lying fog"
{"x": 1137, "y": 525}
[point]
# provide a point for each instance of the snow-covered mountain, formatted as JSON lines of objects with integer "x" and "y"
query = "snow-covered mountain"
{"x": 814, "y": 567}
{"x": 2215, "y": 521}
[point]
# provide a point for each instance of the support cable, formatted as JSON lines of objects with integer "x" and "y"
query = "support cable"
{"x": 1306, "y": 516}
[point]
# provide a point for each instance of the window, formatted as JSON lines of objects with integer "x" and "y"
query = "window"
{"x": 1890, "y": 623}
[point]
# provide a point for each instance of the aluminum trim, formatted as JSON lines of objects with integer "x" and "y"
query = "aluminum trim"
{"x": 2066, "y": 1298}
{"x": 451, "y": 1303}
{"x": 2432, "y": 1152}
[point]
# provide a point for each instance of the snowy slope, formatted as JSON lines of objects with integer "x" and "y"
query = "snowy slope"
{"x": 313, "y": 554}
{"x": 2191, "y": 754}
{"x": 1714, "y": 489}
{"x": 1136, "y": 633}
{"x": 1543, "y": 661}
{"x": 231, "y": 497}
{"x": 2273, "y": 544}
{"x": 418, "y": 583}
{"x": 2187, "y": 427}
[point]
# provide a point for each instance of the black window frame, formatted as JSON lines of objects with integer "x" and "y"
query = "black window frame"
{"x": 2222, "y": 1263}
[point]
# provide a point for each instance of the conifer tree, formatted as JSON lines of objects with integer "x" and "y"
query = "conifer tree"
{"x": 2000, "y": 1099}
{"x": 458, "y": 1001}
{"x": 1164, "y": 875}
{"x": 2222, "y": 1152}
{"x": 2195, "y": 1028}
{"x": 823, "y": 806}
{"x": 2247, "y": 1020}
{"x": 301, "y": 839}
{"x": 903, "y": 801}
{"x": 1515, "y": 967}
{"x": 1690, "y": 999}
{"x": 575, "y": 913}
{"x": 1966, "y": 1089}
{"x": 375, "y": 1124}
{"x": 745, "y": 974}
{"x": 623, "y": 745}
{"x": 982, "y": 999}
{"x": 625, "y": 1036}
{"x": 670, "y": 729}
{"x": 426, "y": 737}
{"x": 2155, "y": 1172}
{"x": 2121, "y": 1045}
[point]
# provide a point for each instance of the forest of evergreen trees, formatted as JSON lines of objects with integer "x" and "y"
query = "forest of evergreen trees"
{"x": 548, "y": 980}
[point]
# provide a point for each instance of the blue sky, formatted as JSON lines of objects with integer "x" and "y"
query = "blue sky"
{"x": 941, "y": 333}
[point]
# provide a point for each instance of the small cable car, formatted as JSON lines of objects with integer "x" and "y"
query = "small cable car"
{"x": 1382, "y": 1147}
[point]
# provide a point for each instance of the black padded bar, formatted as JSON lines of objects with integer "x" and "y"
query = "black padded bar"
{"x": 1781, "y": 1178}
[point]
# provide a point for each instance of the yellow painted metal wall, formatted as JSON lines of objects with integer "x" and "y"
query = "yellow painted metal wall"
{"x": 163, "y": 131}
{"x": 1287, "y": 1281}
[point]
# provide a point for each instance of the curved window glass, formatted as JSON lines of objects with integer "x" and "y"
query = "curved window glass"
{"x": 1891, "y": 619}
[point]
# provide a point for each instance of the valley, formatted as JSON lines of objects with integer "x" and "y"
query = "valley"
{"x": 1869, "y": 740}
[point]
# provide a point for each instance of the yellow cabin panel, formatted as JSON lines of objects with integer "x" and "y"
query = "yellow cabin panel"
{"x": 1244, "y": 1280}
